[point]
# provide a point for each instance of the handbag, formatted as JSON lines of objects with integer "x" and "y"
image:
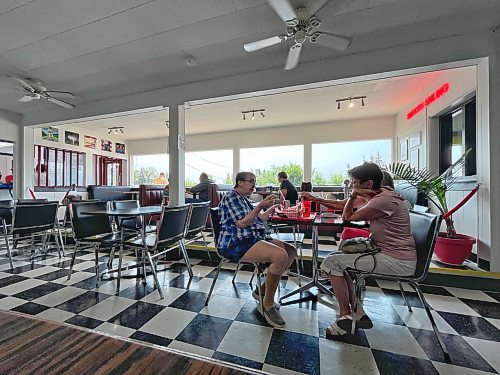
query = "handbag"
{"x": 357, "y": 245}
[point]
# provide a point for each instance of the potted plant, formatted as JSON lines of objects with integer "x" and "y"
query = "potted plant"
{"x": 451, "y": 247}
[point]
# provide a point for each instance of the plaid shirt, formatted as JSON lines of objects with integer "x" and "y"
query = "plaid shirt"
{"x": 234, "y": 207}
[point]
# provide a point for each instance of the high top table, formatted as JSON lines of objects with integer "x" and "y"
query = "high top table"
{"x": 315, "y": 221}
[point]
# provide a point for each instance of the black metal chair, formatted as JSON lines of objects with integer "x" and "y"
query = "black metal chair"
{"x": 95, "y": 230}
{"x": 65, "y": 223}
{"x": 214, "y": 214}
{"x": 295, "y": 238}
{"x": 31, "y": 201}
{"x": 131, "y": 224}
{"x": 170, "y": 234}
{"x": 6, "y": 222}
{"x": 425, "y": 228}
{"x": 35, "y": 219}
{"x": 197, "y": 224}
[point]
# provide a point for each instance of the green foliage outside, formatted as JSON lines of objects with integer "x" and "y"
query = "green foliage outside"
{"x": 270, "y": 176}
{"x": 145, "y": 175}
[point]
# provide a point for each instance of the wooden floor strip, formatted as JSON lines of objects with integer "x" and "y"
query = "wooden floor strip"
{"x": 35, "y": 346}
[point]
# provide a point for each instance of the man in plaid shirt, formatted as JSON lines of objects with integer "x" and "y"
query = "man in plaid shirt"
{"x": 243, "y": 236}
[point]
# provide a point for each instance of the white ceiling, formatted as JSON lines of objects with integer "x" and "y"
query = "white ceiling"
{"x": 108, "y": 48}
{"x": 384, "y": 97}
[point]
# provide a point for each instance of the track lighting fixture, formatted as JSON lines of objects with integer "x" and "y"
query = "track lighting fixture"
{"x": 350, "y": 99}
{"x": 253, "y": 112}
{"x": 115, "y": 130}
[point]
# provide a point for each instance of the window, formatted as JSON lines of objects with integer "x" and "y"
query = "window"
{"x": 331, "y": 161}
{"x": 148, "y": 167}
{"x": 457, "y": 133}
{"x": 267, "y": 162}
{"x": 218, "y": 164}
{"x": 58, "y": 167}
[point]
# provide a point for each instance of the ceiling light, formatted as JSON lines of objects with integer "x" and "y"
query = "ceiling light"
{"x": 115, "y": 130}
{"x": 190, "y": 60}
{"x": 351, "y": 100}
{"x": 253, "y": 112}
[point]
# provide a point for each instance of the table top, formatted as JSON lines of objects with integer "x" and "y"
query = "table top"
{"x": 315, "y": 219}
{"x": 131, "y": 212}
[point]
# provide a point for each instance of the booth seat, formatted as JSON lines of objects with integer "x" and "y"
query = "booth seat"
{"x": 216, "y": 192}
{"x": 109, "y": 193}
{"x": 151, "y": 195}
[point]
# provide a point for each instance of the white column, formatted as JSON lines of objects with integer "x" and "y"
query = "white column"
{"x": 28, "y": 172}
{"x": 308, "y": 162}
{"x": 236, "y": 162}
{"x": 176, "y": 150}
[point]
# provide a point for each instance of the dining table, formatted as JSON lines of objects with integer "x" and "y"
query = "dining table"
{"x": 314, "y": 221}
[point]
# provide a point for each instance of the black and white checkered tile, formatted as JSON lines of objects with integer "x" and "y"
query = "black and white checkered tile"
{"x": 231, "y": 329}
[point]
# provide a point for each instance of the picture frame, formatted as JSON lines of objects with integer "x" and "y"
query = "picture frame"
{"x": 90, "y": 142}
{"x": 106, "y": 145}
{"x": 120, "y": 148}
{"x": 71, "y": 138}
{"x": 415, "y": 140}
{"x": 403, "y": 149}
{"x": 414, "y": 158}
{"x": 50, "y": 133}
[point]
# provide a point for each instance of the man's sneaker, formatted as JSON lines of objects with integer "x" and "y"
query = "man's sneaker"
{"x": 255, "y": 295}
{"x": 273, "y": 317}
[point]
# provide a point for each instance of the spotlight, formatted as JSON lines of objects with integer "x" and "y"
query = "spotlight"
{"x": 262, "y": 114}
{"x": 351, "y": 100}
{"x": 351, "y": 104}
{"x": 253, "y": 115}
{"x": 338, "y": 105}
{"x": 253, "y": 111}
{"x": 244, "y": 116}
{"x": 362, "y": 102}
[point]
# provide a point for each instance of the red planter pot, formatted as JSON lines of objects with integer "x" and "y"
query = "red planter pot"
{"x": 453, "y": 250}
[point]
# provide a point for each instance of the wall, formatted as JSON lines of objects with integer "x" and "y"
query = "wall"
{"x": 89, "y": 162}
{"x": 10, "y": 130}
{"x": 307, "y": 134}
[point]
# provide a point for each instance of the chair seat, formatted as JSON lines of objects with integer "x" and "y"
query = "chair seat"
{"x": 104, "y": 238}
{"x": 288, "y": 237}
{"x": 150, "y": 241}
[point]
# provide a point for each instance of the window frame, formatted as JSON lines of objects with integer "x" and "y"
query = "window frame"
{"x": 40, "y": 150}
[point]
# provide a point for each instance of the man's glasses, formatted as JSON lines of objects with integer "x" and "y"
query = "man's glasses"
{"x": 252, "y": 181}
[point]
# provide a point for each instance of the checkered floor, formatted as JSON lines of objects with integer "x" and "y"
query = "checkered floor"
{"x": 231, "y": 329}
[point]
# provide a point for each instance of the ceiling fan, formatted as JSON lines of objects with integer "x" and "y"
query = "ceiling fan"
{"x": 34, "y": 89}
{"x": 301, "y": 26}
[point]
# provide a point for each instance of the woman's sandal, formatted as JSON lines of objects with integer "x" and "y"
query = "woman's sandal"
{"x": 333, "y": 330}
{"x": 345, "y": 323}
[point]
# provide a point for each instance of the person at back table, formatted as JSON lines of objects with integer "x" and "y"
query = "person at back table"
{"x": 202, "y": 188}
{"x": 160, "y": 180}
{"x": 288, "y": 188}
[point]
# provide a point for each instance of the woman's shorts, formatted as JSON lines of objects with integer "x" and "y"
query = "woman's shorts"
{"x": 236, "y": 251}
{"x": 335, "y": 263}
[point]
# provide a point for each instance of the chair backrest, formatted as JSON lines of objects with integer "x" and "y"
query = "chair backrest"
{"x": 199, "y": 215}
{"x": 128, "y": 222}
{"x": 69, "y": 200}
{"x": 33, "y": 218}
{"x": 6, "y": 211}
{"x": 214, "y": 215}
{"x": 216, "y": 192}
{"x": 89, "y": 225}
{"x": 172, "y": 225}
{"x": 419, "y": 208}
{"x": 31, "y": 201}
{"x": 424, "y": 228}
{"x": 151, "y": 195}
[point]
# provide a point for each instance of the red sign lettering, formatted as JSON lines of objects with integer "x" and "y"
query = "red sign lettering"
{"x": 429, "y": 100}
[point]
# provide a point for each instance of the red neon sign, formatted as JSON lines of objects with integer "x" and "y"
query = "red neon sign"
{"x": 429, "y": 100}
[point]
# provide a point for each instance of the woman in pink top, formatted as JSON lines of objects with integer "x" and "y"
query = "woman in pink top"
{"x": 387, "y": 213}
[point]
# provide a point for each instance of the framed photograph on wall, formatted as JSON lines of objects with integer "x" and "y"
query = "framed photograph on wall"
{"x": 414, "y": 162}
{"x": 50, "y": 134}
{"x": 90, "y": 142}
{"x": 403, "y": 149}
{"x": 106, "y": 145}
{"x": 120, "y": 148}
{"x": 415, "y": 140}
{"x": 71, "y": 138}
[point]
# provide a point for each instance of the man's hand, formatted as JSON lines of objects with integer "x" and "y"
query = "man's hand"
{"x": 308, "y": 196}
{"x": 365, "y": 193}
{"x": 268, "y": 202}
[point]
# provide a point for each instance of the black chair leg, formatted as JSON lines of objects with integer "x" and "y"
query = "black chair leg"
{"x": 96, "y": 263}
{"x": 404, "y": 296}
{"x": 155, "y": 275}
{"x": 6, "y": 238}
{"x": 433, "y": 323}
{"x": 72, "y": 260}
{"x": 214, "y": 281}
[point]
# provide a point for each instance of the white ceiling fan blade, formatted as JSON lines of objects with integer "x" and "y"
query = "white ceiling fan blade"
{"x": 60, "y": 94}
{"x": 26, "y": 98}
{"x": 330, "y": 40}
{"x": 284, "y": 10}
{"x": 254, "y": 46}
{"x": 23, "y": 83}
{"x": 293, "y": 56}
{"x": 60, "y": 102}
